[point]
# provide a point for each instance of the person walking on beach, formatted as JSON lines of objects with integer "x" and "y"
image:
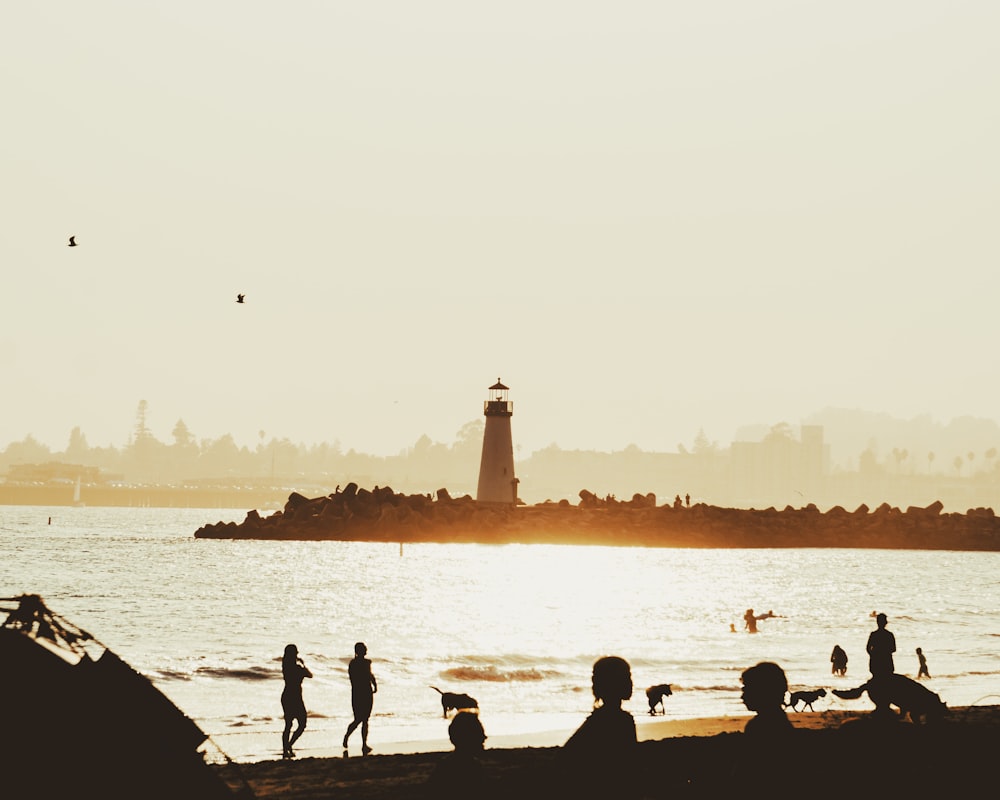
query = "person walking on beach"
{"x": 363, "y": 688}
{"x": 838, "y": 661}
{"x": 293, "y": 670}
{"x": 599, "y": 758}
{"x": 922, "y": 672}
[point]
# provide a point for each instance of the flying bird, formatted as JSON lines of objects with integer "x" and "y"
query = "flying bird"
{"x": 72, "y": 241}
{"x": 239, "y": 298}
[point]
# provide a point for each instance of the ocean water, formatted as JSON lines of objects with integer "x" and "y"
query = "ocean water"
{"x": 516, "y": 626}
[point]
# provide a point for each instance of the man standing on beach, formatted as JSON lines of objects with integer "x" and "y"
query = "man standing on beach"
{"x": 881, "y": 646}
{"x": 363, "y": 688}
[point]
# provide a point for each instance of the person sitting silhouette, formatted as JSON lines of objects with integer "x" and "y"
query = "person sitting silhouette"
{"x": 767, "y": 736}
{"x": 764, "y": 689}
{"x": 293, "y": 670}
{"x": 598, "y": 760}
{"x": 460, "y": 774}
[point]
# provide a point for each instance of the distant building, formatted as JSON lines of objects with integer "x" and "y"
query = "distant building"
{"x": 779, "y": 470}
{"x": 53, "y": 472}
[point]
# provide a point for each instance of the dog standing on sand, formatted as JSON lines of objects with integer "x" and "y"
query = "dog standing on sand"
{"x": 655, "y": 695}
{"x": 805, "y": 696}
{"x": 913, "y": 699}
{"x": 452, "y": 701}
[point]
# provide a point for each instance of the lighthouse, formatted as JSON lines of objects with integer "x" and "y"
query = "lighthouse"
{"x": 497, "y": 483}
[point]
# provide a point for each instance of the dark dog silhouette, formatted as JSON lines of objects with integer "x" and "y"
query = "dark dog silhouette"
{"x": 655, "y": 695}
{"x": 913, "y": 699}
{"x": 806, "y": 697}
{"x": 452, "y": 701}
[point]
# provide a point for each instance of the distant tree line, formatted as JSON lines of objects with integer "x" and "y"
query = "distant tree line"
{"x": 271, "y": 462}
{"x": 870, "y": 458}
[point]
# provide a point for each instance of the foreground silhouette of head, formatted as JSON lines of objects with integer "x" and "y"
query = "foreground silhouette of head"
{"x": 764, "y": 688}
{"x": 460, "y": 774}
{"x": 598, "y": 760}
{"x": 611, "y": 680}
{"x": 466, "y": 732}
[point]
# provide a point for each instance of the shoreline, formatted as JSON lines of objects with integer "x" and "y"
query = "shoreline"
{"x": 952, "y": 753}
{"x": 265, "y": 747}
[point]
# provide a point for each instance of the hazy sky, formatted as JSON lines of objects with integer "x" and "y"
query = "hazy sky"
{"x": 646, "y": 218}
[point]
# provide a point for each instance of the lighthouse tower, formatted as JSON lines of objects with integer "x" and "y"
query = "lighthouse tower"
{"x": 497, "y": 483}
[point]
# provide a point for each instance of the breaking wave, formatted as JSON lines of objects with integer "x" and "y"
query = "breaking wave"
{"x": 493, "y": 674}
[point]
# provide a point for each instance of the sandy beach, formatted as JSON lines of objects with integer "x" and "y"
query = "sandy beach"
{"x": 833, "y": 752}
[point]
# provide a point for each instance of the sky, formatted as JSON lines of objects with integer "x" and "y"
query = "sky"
{"x": 646, "y": 218}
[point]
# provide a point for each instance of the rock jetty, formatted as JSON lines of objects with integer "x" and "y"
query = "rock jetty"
{"x": 381, "y": 515}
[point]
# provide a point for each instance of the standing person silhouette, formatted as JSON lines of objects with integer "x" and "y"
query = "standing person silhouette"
{"x": 599, "y": 759}
{"x": 922, "y": 672}
{"x": 881, "y": 645}
{"x": 363, "y": 688}
{"x": 293, "y": 670}
{"x": 838, "y": 661}
{"x": 750, "y": 621}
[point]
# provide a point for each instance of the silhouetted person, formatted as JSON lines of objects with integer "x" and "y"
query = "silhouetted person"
{"x": 599, "y": 759}
{"x": 766, "y": 742}
{"x": 72, "y": 241}
{"x": 922, "y": 672}
{"x": 677, "y": 501}
{"x": 460, "y": 774}
{"x": 881, "y": 645}
{"x": 764, "y": 689}
{"x": 293, "y": 670}
{"x": 363, "y": 688}
{"x": 750, "y": 621}
{"x": 687, "y": 500}
{"x": 239, "y": 298}
{"x": 838, "y": 661}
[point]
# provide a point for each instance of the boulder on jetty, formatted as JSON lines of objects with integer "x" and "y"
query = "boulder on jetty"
{"x": 382, "y": 515}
